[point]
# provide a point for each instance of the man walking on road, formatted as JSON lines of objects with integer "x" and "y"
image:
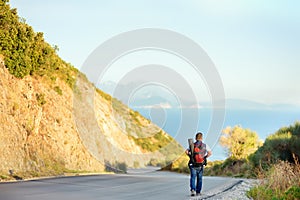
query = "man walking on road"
{"x": 198, "y": 153}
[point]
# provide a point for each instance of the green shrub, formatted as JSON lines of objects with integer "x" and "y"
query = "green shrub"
{"x": 292, "y": 193}
{"x": 25, "y": 51}
{"x": 3, "y": 176}
{"x": 121, "y": 166}
{"x": 136, "y": 164}
{"x": 154, "y": 162}
{"x": 40, "y": 99}
{"x": 260, "y": 192}
{"x": 153, "y": 143}
{"x": 117, "y": 167}
{"x": 58, "y": 90}
{"x": 231, "y": 167}
{"x": 29, "y": 126}
{"x": 281, "y": 145}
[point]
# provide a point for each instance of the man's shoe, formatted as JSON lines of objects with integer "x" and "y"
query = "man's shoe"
{"x": 193, "y": 193}
{"x": 198, "y": 194}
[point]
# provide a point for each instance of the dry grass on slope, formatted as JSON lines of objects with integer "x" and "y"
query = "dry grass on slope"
{"x": 282, "y": 181}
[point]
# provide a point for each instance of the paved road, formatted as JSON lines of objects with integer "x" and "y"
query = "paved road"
{"x": 147, "y": 185}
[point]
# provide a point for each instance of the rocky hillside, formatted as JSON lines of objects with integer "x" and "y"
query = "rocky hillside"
{"x": 37, "y": 132}
{"x": 53, "y": 120}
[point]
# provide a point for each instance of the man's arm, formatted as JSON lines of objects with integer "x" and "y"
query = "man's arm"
{"x": 209, "y": 153}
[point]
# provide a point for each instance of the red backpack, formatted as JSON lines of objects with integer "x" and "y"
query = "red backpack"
{"x": 199, "y": 153}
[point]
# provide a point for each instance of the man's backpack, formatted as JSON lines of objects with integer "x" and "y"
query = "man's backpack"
{"x": 198, "y": 154}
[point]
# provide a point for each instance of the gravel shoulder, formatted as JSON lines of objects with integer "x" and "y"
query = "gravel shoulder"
{"x": 237, "y": 191}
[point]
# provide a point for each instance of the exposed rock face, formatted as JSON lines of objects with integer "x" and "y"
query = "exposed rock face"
{"x": 37, "y": 129}
{"x": 43, "y": 131}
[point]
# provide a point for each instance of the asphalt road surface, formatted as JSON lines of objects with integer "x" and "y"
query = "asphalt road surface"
{"x": 154, "y": 185}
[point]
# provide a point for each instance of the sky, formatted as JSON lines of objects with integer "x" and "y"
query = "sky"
{"x": 254, "y": 45}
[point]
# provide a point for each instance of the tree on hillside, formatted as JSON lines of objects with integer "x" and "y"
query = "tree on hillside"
{"x": 239, "y": 142}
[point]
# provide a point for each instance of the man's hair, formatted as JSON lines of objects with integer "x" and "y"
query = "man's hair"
{"x": 199, "y": 136}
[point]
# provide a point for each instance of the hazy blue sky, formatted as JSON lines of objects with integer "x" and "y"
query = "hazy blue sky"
{"x": 254, "y": 44}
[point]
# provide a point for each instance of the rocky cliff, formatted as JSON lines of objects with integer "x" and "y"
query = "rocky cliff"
{"x": 53, "y": 120}
{"x": 45, "y": 132}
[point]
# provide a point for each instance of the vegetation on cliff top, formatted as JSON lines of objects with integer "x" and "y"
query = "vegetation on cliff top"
{"x": 26, "y": 52}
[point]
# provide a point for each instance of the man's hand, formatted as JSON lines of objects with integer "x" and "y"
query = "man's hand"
{"x": 187, "y": 152}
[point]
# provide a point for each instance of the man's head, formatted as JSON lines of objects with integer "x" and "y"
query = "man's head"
{"x": 199, "y": 136}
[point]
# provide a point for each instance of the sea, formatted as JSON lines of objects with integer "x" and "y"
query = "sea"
{"x": 182, "y": 124}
